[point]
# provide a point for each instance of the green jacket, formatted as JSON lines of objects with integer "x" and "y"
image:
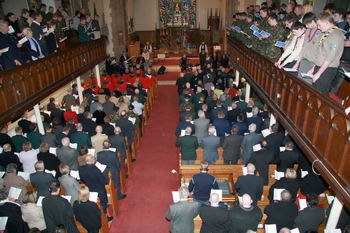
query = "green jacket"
{"x": 83, "y": 36}
{"x": 188, "y": 145}
{"x": 18, "y": 141}
{"x": 81, "y": 138}
{"x": 35, "y": 138}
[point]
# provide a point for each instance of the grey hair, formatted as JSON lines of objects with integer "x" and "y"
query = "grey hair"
{"x": 11, "y": 168}
{"x": 39, "y": 166}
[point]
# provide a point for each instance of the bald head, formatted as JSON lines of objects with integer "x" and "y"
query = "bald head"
{"x": 98, "y": 129}
{"x": 246, "y": 201}
{"x": 65, "y": 141}
{"x": 89, "y": 159}
{"x": 117, "y": 130}
{"x": 7, "y": 147}
{"x": 285, "y": 196}
{"x": 252, "y": 128}
{"x": 284, "y": 230}
{"x": 188, "y": 131}
{"x": 214, "y": 200}
{"x": 251, "y": 168}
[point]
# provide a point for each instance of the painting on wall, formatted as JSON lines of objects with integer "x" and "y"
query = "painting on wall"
{"x": 177, "y": 13}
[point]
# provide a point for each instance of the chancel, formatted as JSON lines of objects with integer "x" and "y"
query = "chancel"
{"x": 181, "y": 116}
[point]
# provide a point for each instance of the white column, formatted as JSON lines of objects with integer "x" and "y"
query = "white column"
{"x": 334, "y": 214}
{"x": 237, "y": 78}
{"x": 97, "y": 72}
{"x": 247, "y": 92}
{"x": 272, "y": 120}
{"x": 38, "y": 119}
{"x": 80, "y": 89}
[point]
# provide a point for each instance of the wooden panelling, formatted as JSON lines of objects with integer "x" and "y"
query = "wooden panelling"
{"x": 317, "y": 123}
{"x": 25, "y": 86}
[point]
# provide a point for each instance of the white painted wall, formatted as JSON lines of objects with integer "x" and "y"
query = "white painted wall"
{"x": 146, "y": 14}
{"x": 54, "y": 3}
{"x": 14, "y": 6}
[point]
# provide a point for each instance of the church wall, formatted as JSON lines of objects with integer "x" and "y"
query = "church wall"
{"x": 14, "y": 6}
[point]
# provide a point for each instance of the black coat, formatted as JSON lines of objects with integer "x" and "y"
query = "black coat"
{"x": 261, "y": 159}
{"x": 89, "y": 126}
{"x": 242, "y": 220}
{"x": 282, "y": 214}
{"x": 38, "y": 34}
{"x": 250, "y": 184}
{"x": 51, "y": 162}
{"x": 232, "y": 147}
{"x": 29, "y": 53}
{"x": 10, "y": 157}
{"x": 110, "y": 159}
{"x": 51, "y": 41}
{"x": 118, "y": 142}
{"x": 287, "y": 159}
{"x": 88, "y": 214}
{"x": 95, "y": 180}
{"x": 58, "y": 210}
{"x": 292, "y": 185}
{"x": 15, "y": 224}
{"x": 274, "y": 142}
{"x": 6, "y": 139}
{"x": 7, "y": 59}
{"x": 127, "y": 128}
{"x": 309, "y": 219}
{"x": 214, "y": 219}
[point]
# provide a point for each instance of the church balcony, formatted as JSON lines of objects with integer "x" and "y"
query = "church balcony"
{"x": 316, "y": 122}
{"x": 23, "y": 87}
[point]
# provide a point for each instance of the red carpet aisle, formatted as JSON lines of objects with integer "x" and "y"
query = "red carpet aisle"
{"x": 149, "y": 187}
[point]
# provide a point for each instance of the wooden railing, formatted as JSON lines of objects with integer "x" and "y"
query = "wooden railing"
{"x": 25, "y": 86}
{"x": 317, "y": 123}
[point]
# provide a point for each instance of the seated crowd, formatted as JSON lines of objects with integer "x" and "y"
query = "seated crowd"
{"x": 310, "y": 47}
{"x": 83, "y": 143}
{"x": 38, "y": 32}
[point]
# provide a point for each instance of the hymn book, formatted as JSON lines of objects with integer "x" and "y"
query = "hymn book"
{"x": 14, "y": 193}
{"x": 25, "y": 175}
{"x": 93, "y": 196}
{"x": 265, "y": 132}
{"x": 3, "y": 222}
{"x": 270, "y": 228}
{"x": 176, "y": 196}
{"x": 277, "y": 194}
{"x": 280, "y": 44}
{"x": 53, "y": 150}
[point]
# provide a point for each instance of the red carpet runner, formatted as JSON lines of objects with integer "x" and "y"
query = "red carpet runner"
{"x": 149, "y": 187}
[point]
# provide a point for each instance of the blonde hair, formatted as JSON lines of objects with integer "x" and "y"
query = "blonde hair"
{"x": 30, "y": 197}
{"x": 27, "y": 146}
{"x": 84, "y": 193}
{"x": 307, "y": 8}
{"x": 64, "y": 169}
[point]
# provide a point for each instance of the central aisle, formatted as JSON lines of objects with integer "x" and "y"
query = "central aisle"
{"x": 149, "y": 187}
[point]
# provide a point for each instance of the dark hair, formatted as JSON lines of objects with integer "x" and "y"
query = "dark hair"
{"x": 329, "y": 6}
{"x": 312, "y": 199}
{"x": 83, "y": 150}
{"x": 54, "y": 186}
{"x": 42, "y": 5}
{"x": 325, "y": 16}
{"x": 36, "y": 15}
{"x": 297, "y": 26}
{"x": 309, "y": 17}
{"x": 273, "y": 16}
{"x": 264, "y": 9}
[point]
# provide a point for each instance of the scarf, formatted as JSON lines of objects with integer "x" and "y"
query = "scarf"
{"x": 326, "y": 34}
{"x": 34, "y": 45}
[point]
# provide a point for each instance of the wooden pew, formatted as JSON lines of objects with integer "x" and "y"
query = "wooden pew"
{"x": 129, "y": 162}
{"x": 200, "y": 155}
{"x": 112, "y": 194}
{"x": 122, "y": 176}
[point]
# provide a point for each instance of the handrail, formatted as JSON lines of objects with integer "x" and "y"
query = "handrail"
{"x": 25, "y": 86}
{"x": 318, "y": 124}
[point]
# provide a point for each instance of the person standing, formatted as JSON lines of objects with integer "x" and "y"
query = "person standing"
{"x": 188, "y": 145}
{"x": 39, "y": 34}
{"x": 182, "y": 213}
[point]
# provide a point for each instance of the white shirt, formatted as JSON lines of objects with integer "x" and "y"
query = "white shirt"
{"x": 138, "y": 108}
{"x": 28, "y": 159}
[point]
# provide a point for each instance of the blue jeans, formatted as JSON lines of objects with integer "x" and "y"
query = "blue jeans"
{"x": 187, "y": 162}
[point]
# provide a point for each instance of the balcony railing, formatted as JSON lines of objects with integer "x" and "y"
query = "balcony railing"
{"x": 318, "y": 124}
{"x": 25, "y": 86}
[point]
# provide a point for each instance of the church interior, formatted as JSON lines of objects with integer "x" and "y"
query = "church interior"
{"x": 146, "y": 71}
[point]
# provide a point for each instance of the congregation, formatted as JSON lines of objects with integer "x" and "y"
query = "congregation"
{"x": 216, "y": 115}
{"x": 38, "y": 32}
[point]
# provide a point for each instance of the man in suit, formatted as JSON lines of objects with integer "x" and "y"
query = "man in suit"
{"x": 89, "y": 125}
{"x": 202, "y": 183}
{"x": 182, "y": 213}
{"x": 80, "y": 137}
{"x": 282, "y": 213}
{"x": 232, "y": 146}
{"x": 287, "y": 158}
{"x": 262, "y": 159}
{"x": 57, "y": 210}
{"x": 222, "y": 126}
{"x": 18, "y": 140}
{"x": 118, "y": 141}
{"x": 111, "y": 160}
{"x": 126, "y": 126}
{"x": 68, "y": 155}
{"x": 245, "y": 216}
{"x": 12, "y": 57}
{"x": 249, "y": 141}
{"x": 8, "y": 156}
{"x": 49, "y": 137}
{"x": 250, "y": 184}
{"x": 94, "y": 179}
{"x": 38, "y": 33}
{"x": 288, "y": 182}
{"x": 233, "y": 113}
{"x": 256, "y": 119}
{"x": 201, "y": 126}
{"x": 210, "y": 144}
{"x": 275, "y": 140}
{"x": 214, "y": 218}
{"x": 5, "y": 138}
{"x": 61, "y": 135}
{"x": 184, "y": 124}
{"x": 41, "y": 180}
{"x": 188, "y": 145}
{"x": 310, "y": 218}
